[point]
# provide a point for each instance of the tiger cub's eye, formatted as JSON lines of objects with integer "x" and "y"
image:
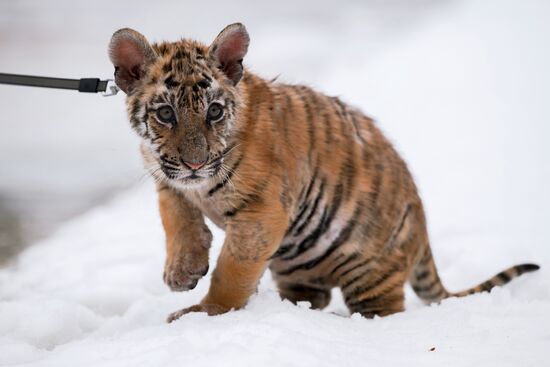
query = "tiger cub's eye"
{"x": 215, "y": 112}
{"x": 166, "y": 114}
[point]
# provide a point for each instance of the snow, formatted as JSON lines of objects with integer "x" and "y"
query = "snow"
{"x": 464, "y": 97}
{"x": 93, "y": 295}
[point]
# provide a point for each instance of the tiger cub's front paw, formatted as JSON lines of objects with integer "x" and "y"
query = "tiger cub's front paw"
{"x": 210, "y": 309}
{"x": 183, "y": 270}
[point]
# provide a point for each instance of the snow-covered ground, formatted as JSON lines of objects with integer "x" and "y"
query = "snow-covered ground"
{"x": 465, "y": 98}
{"x": 92, "y": 295}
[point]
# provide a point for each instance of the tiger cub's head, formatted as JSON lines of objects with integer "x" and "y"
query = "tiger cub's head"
{"x": 182, "y": 100}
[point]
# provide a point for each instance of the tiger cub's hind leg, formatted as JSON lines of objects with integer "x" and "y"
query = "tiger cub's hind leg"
{"x": 373, "y": 283}
{"x": 373, "y": 289}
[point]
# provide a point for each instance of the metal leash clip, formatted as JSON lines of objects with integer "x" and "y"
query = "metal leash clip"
{"x": 111, "y": 88}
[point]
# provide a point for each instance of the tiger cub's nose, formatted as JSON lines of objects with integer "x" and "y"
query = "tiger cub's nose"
{"x": 194, "y": 166}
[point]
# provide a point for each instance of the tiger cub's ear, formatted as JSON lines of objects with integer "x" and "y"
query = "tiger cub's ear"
{"x": 130, "y": 53}
{"x": 229, "y": 49}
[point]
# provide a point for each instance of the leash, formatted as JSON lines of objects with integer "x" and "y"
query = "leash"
{"x": 86, "y": 85}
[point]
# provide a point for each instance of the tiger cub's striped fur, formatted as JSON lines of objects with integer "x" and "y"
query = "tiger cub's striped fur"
{"x": 300, "y": 182}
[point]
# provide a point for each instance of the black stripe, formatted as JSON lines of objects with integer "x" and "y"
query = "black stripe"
{"x": 376, "y": 184}
{"x": 374, "y": 298}
{"x": 328, "y": 130}
{"x": 371, "y": 307}
{"x": 525, "y": 268}
{"x": 166, "y": 68}
{"x": 311, "y": 184}
{"x": 226, "y": 178}
{"x": 204, "y": 84}
{"x": 183, "y": 95}
{"x": 199, "y": 51}
{"x": 297, "y": 219}
{"x": 309, "y": 120}
{"x": 304, "y": 201}
{"x": 136, "y": 106}
{"x": 327, "y": 120}
{"x": 402, "y": 223}
{"x": 355, "y": 267}
{"x": 422, "y": 275}
{"x": 356, "y": 278}
{"x": 144, "y": 119}
{"x": 343, "y": 236}
{"x": 340, "y": 107}
{"x": 171, "y": 97}
{"x": 336, "y": 261}
{"x": 166, "y": 160}
{"x": 180, "y": 54}
{"x": 313, "y": 209}
{"x": 170, "y": 82}
{"x": 347, "y": 171}
{"x": 504, "y": 277}
{"x": 232, "y": 212}
{"x": 324, "y": 224}
{"x": 312, "y": 238}
{"x": 289, "y": 112}
{"x": 360, "y": 290}
{"x": 282, "y": 250}
{"x": 349, "y": 259}
{"x": 162, "y": 48}
{"x": 168, "y": 169}
{"x": 487, "y": 285}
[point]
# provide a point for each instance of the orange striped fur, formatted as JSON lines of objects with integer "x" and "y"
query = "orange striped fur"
{"x": 302, "y": 183}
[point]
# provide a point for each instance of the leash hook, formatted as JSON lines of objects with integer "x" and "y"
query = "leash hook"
{"x": 111, "y": 88}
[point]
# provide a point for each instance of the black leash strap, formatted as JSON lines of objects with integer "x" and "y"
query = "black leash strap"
{"x": 86, "y": 85}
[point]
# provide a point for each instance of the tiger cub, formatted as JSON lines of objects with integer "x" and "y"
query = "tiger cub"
{"x": 302, "y": 183}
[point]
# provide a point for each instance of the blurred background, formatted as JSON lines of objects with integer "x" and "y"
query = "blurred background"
{"x": 461, "y": 86}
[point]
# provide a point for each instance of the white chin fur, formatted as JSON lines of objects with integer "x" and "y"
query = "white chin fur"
{"x": 193, "y": 185}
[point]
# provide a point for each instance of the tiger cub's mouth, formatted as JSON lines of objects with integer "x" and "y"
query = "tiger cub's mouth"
{"x": 189, "y": 176}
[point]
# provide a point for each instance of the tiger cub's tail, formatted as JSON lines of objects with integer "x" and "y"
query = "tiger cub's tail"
{"x": 427, "y": 285}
